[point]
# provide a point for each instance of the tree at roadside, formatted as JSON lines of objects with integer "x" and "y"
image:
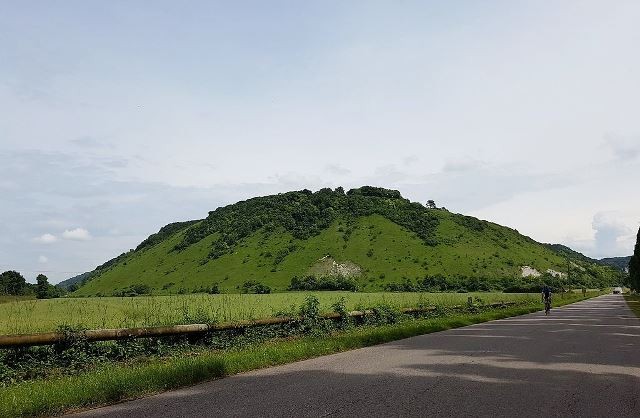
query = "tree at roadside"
{"x": 634, "y": 266}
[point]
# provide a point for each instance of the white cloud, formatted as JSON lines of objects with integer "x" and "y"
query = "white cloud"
{"x": 460, "y": 165}
{"x": 78, "y": 234}
{"x": 46, "y": 239}
{"x": 388, "y": 173}
{"x": 8, "y": 184}
{"x": 337, "y": 170}
{"x": 610, "y": 233}
{"x": 43, "y": 259}
{"x": 623, "y": 148}
{"x": 411, "y": 159}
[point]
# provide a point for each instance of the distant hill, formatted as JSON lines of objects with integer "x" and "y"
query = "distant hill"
{"x": 65, "y": 284}
{"x": 567, "y": 252}
{"x": 371, "y": 235}
{"x": 621, "y": 263}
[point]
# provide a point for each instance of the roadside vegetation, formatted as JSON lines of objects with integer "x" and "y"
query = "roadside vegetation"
{"x": 75, "y": 374}
{"x": 633, "y": 301}
{"x": 634, "y": 267}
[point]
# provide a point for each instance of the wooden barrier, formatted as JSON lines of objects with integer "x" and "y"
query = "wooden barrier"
{"x": 49, "y": 338}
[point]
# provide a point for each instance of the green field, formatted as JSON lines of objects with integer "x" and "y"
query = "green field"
{"x": 28, "y": 316}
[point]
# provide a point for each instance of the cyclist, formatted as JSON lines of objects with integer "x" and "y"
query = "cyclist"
{"x": 546, "y": 298}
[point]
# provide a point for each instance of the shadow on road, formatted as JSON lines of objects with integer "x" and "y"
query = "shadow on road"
{"x": 583, "y": 360}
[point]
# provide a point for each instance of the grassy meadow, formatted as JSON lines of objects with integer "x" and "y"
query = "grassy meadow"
{"x": 30, "y": 316}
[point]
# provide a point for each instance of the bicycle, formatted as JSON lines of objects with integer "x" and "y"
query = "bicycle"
{"x": 547, "y": 306}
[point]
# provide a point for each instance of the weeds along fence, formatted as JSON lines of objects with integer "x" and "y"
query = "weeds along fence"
{"x": 51, "y": 338}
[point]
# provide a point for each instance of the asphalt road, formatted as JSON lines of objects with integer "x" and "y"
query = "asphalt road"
{"x": 583, "y": 360}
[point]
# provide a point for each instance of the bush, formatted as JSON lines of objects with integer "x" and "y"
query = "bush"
{"x": 133, "y": 290}
{"x": 214, "y": 289}
{"x": 251, "y": 286}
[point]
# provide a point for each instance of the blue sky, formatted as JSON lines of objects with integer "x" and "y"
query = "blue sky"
{"x": 120, "y": 117}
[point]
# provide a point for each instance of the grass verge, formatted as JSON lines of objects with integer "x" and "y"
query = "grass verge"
{"x": 634, "y": 303}
{"x": 113, "y": 383}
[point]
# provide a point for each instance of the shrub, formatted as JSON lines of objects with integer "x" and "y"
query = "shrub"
{"x": 133, "y": 290}
{"x": 214, "y": 289}
{"x": 251, "y": 286}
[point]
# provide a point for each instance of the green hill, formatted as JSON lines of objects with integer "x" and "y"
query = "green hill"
{"x": 621, "y": 263}
{"x": 371, "y": 236}
{"x": 75, "y": 280}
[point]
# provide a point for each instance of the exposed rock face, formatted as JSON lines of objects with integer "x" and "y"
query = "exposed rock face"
{"x": 528, "y": 271}
{"x": 327, "y": 266}
{"x": 556, "y": 273}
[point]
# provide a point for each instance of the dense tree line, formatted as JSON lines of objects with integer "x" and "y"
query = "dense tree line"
{"x": 13, "y": 283}
{"x": 459, "y": 283}
{"x": 634, "y": 266}
{"x": 470, "y": 222}
{"x": 164, "y": 233}
{"x": 304, "y": 214}
{"x": 323, "y": 283}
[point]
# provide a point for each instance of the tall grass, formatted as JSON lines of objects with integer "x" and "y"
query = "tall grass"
{"x": 28, "y": 316}
{"x": 6, "y": 298}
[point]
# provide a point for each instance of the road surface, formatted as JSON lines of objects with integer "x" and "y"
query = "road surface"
{"x": 583, "y": 360}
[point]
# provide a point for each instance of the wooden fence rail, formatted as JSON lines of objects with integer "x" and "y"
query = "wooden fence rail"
{"x": 49, "y": 338}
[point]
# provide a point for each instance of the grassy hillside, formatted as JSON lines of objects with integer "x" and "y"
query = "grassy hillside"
{"x": 372, "y": 235}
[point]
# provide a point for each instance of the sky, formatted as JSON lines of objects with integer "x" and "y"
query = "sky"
{"x": 119, "y": 117}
